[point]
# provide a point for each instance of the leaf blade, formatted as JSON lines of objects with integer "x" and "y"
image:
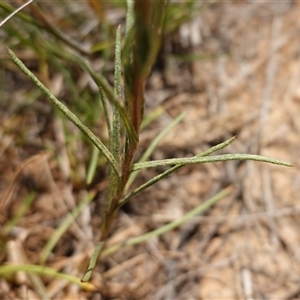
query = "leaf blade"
{"x": 209, "y": 159}
{"x": 73, "y": 118}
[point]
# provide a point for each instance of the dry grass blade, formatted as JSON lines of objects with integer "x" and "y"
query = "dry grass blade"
{"x": 15, "y": 12}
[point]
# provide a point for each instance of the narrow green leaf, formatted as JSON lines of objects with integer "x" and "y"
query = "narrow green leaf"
{"x": 210, "y": 159}
{"x": 154, "y": 114}
{"x": 129, "y": 16}
{"x": 19, "y": 214}
{"x": 42, "y": 270}
{"x": 101, "y": 46}
{"x": 115, "y": 138}
{"x": 93, "y": 262}
{"x": 38, "y": 286}
{"x": 170, "y": 226}
{"x": 63, "y": 227}
{"x": 99, "y": 80}
{"x": 92, "y": 165}
{"x": 172, "y": 170}
{"x": 95, "y": 152}
{"x": 153, "y": 146}
{"x": 106, "y": 153}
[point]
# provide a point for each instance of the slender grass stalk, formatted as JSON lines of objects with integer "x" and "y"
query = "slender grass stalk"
{"x": 10, "y": 9}
{"x": 38, "y": 286}
{"x": 6, "y": 270}
{"x": 154, "y": 114}
{"x": 63, "y": 227}
{"x": 39, "y": 20}
{"x": 95, "y": 153}
{"x": 170, "y": 226}
{"x": 93, "y": 261}
{"x": 20, "y": 213}
{"x": 157, "y": 232}
{"x": 92, "y": 165}
{"x": 15, "y": 12}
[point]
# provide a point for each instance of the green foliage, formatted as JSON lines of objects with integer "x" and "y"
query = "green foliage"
{"x": 134, "y": 58}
